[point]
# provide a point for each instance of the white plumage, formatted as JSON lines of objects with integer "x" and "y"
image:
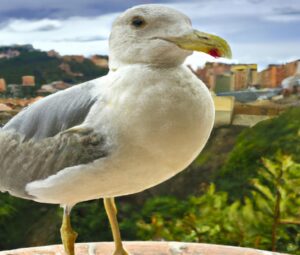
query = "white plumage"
{"x": 139, "y": 125}
{"x": 156, "y": 122}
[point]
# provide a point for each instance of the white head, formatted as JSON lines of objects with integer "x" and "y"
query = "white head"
{"x": 158, "y": 35}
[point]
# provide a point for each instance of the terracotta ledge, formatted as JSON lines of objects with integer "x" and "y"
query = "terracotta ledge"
{"x": 143, "y": 248}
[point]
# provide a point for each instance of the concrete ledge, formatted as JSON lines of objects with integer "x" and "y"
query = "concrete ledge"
{"x": 143, "y": 248}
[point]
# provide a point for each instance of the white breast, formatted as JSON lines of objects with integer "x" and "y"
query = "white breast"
{"x": 157, "y": 122}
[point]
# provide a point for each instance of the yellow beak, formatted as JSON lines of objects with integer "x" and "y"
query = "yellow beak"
{"x": 200, "y": 41}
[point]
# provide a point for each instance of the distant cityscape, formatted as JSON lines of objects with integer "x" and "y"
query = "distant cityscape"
{"x": 242, "y": 95}
{"x": 219, "y": 77}
{"x": 29, "y": 86}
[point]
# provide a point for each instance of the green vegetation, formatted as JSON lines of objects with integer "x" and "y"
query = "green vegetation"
{"x": 269, "y": 219}
{"x": 17, "y": 219}
{"x": 263, "y": 140}
{"x": 253, "y": 201}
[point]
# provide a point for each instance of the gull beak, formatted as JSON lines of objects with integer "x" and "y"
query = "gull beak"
{"x": 200, "y": 41}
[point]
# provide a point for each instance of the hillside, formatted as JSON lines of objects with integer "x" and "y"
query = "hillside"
{"x": 264, "y": 140}
{"x": 17, "y": 61}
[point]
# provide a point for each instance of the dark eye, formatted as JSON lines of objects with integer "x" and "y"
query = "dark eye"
{"x": 138, "y": 22}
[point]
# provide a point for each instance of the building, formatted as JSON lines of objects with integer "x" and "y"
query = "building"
{"x": 292, "y": 68}
{"x": 67, "y": 69}
{"x": 222, "y": 83}
{"x": 224, "y": 107}
{"x": 28, "y": 81}
{"x": 273, "y": 75}
{"x": 243, "y": 76}
{"x": 9, "y": 53}
{"x": 53, "y": 54}
{"x": 77, "y": 58}
{"x": 53, "y": 87}
{"x": 28, "y": 86}
{"x": 220, "y": 77}
{"x": 2, "y": 86}
{"x": 100, "y": 60}
{"x": 208, "y": 74}
{"x": 291, "y": 84}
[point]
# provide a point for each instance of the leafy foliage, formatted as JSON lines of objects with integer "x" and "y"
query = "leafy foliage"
{"x": 261, "y": 221}
{"x": 277, "y": 194}
{"x": 17, "y": 219}
{"x": 264, "y": 139}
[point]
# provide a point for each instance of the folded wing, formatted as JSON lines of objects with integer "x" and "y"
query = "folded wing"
{"x": 37, "y": 143}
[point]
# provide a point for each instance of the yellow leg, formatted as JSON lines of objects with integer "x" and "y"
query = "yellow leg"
{"x": 68, "y": 235}
{"x": 111, "y": 210}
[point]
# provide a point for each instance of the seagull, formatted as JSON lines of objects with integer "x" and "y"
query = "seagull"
{"x": 139, "y": 125}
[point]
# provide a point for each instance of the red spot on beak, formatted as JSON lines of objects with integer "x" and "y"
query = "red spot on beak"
{"x": 214, "y": 53}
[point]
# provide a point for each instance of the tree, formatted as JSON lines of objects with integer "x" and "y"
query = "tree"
{"x": 277, "y": 194}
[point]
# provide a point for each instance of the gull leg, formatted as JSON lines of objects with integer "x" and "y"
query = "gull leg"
{"x": 111, "y": 210}
{"x": 68, "y": 235}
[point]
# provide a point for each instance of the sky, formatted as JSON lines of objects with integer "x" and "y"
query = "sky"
{"x": 259, "y": 31}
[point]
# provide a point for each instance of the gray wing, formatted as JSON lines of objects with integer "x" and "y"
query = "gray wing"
{"x": 33, "y": 146}
{"x": 53, "y": 114}
{"x": 24, "y": 162}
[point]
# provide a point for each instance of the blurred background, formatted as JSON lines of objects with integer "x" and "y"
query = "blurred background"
{"x": 243, "y": 189}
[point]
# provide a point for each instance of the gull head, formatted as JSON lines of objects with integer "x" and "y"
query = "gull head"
{"x": 160, "y": 36}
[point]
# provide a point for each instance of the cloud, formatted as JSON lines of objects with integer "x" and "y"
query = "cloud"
{"x": 266, "y": 53}
{"x": 262, "y": 32}
{"x": 83, "y": 39}
{"x": 22, "y": 25}
{"x": 57, "y": 9}
{"x": 283, "y": 18}
{"x": 287, "y": 11}
{"x": 64, "y": 35}
{"x": 285, "y": 14}
{"x": 74, "y": 47}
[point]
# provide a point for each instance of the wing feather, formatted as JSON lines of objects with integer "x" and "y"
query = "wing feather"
{"x": 53, "y": 114}
{"x": 24, "y": 162}
{"x": 38, "y": 142}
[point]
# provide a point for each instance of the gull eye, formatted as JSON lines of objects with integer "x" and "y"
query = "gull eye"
{"x": 138, "y": 22}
